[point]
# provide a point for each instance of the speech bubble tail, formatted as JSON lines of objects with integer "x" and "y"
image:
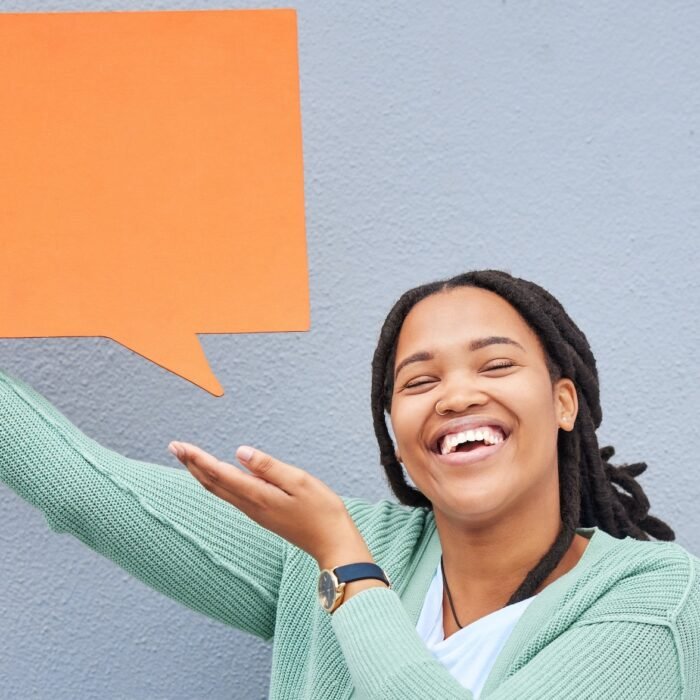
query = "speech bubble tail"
{"x": 178, "y": 352}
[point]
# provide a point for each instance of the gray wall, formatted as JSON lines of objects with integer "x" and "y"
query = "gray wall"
{"x": 558, "y": 141}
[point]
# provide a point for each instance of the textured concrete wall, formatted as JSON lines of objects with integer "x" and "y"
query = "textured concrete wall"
{"x": 559, "y": 141}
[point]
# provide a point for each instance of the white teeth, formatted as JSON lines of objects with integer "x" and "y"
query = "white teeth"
{"x": 449, "y": 442}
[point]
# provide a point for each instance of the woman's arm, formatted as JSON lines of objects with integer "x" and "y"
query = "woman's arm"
{"x": 386, "y": 657}
{"x": 611, "y": 659}
{"x": 156, "y": 522}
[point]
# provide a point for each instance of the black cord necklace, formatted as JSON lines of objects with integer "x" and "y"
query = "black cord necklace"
{"x": 447, "y": 590}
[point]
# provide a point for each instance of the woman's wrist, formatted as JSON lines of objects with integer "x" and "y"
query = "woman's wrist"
{"x": 354, "y": 552}
{"x": 345, "y": 555}
{"x": 348, "y": 547}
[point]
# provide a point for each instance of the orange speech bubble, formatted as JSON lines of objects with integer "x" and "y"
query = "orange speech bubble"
{"x": 151, "y": 179}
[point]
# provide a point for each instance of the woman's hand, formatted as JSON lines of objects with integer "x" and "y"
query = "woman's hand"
{"x": 284, "y": 499}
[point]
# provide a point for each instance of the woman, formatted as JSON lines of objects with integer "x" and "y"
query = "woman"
{"x": 521, "y": 567}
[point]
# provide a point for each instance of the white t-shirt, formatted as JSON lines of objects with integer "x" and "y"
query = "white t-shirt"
{"x": 470, "y": 652}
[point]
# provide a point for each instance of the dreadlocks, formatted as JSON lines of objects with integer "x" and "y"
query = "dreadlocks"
{"x": 588, "y": 492}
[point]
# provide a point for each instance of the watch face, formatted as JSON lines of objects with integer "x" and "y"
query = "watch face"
{"x": 326, "y": 589}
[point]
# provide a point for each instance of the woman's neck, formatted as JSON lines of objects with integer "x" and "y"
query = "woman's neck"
{"x": 485, "y": 566}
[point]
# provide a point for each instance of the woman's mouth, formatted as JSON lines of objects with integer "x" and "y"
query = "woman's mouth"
{"x": 469, "y": 454}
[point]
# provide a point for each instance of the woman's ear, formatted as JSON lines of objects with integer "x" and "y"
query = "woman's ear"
{"x": 566, "y": 403}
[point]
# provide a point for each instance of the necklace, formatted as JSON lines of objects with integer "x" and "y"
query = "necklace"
{"x": 449, "y": 595}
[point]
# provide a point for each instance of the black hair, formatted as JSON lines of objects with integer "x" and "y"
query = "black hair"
{"x": 588, "y": 483}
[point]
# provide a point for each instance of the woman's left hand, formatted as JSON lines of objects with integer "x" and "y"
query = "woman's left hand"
{"x": 284, "y": 499}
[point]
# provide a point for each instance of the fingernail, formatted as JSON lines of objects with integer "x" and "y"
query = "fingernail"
{"x": 244, "y": 453}
{"x": 173, "y": 449}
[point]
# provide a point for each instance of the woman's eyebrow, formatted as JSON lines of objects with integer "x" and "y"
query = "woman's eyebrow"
{"x": 476, "y": 344}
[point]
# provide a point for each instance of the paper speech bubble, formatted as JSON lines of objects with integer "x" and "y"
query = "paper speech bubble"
{"x": 151, "y": 179}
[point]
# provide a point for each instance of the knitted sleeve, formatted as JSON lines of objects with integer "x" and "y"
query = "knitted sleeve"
{"x": 158, "y": 523}
{"x": 607, "y": 659}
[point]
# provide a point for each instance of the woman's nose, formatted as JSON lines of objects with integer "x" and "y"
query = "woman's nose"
{"x": 459, "y": 398}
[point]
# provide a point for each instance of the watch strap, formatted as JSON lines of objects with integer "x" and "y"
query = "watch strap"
{"x": 363, "y": 570}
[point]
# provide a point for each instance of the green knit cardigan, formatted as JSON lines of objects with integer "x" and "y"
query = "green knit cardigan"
{"x": 623, "y": 623}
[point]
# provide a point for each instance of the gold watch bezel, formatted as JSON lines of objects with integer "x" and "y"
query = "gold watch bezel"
{"x": 339, "y": 590}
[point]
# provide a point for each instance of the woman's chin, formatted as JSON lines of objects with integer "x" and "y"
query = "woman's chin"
{"x": 478, "y": 499}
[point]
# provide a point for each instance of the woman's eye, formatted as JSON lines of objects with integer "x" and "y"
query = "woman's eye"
{"x": 414, "y": 384}
{"x": 500, "y": 365}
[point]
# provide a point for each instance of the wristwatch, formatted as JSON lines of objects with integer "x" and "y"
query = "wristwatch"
{"x": 331, "y": 583}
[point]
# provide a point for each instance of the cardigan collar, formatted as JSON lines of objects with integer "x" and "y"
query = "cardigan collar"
{"x": 414, "y": 588}
{"x": 415, "y": 575}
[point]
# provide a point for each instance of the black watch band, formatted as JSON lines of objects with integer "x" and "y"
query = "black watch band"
{"x": 354, "y": 572}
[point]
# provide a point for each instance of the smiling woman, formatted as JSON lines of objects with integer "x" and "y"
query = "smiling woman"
{"x": 518, "y": 565}
{"x": 494, "y": 360}
{"x": 481, "y": 495}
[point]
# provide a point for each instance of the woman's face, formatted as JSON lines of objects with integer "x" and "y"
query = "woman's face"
{"x": 516, "y": 476}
